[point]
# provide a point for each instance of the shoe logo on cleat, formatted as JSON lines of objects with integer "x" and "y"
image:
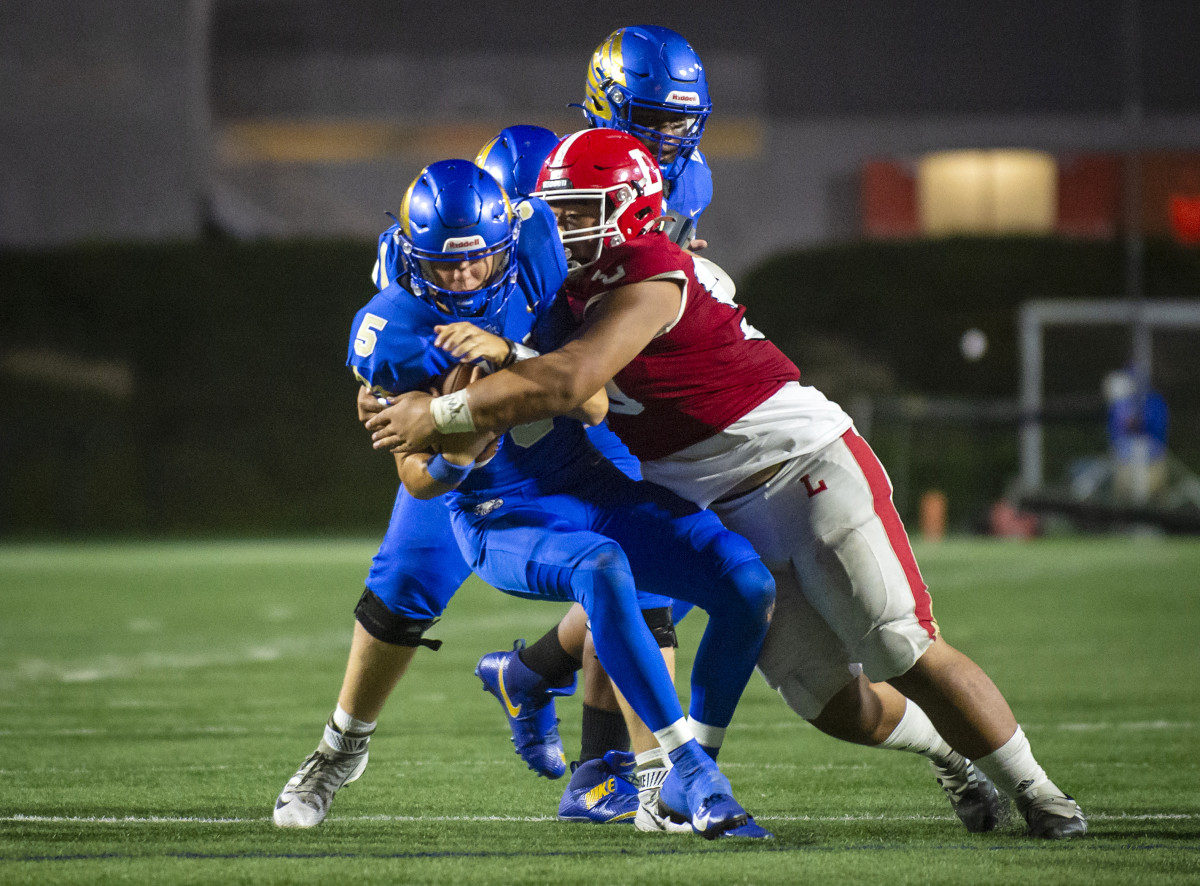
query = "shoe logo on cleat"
{"x": 600, "y": 791}
{"x": 513, "y": 710}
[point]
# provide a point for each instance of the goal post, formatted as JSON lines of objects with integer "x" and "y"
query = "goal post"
{"x": 1142, "y": 317}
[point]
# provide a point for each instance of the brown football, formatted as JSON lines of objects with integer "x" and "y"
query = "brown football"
{"x": 458, "y": 377}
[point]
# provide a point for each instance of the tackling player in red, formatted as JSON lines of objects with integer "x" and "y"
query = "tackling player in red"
{"x": 716, "y": 413}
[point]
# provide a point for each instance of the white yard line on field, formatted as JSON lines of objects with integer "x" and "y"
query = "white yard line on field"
{"x": 168, "y": 819}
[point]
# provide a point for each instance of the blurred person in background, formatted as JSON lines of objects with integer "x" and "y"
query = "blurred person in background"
{"x": 1137, "y": 434}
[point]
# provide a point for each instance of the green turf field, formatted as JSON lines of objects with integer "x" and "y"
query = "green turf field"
{"x": 155, "y": 697}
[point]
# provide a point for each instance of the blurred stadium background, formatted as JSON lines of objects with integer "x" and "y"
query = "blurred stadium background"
{"x": 191, "y": 190}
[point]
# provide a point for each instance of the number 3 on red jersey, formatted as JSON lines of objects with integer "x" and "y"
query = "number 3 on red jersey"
{"x": 620, "y": 402}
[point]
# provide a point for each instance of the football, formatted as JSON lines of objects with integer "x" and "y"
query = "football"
{"x": 458, "y": 377}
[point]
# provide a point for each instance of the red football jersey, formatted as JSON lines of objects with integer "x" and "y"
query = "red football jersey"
{"x": 700, "y": 376}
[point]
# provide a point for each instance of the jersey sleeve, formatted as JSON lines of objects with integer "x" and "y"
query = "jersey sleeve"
{"x": 540, "y": 255}
{"x": 391, "y": 346}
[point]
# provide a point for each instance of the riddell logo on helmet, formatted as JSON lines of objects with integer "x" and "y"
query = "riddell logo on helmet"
{"x": 463, "y": 244}
{"x": 555, "y": 184}
{"x": 684, "y": 98}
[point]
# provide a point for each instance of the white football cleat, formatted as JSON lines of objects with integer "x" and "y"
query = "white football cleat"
{"x": 305, "y": 799}
{"x": 652, "y": 816}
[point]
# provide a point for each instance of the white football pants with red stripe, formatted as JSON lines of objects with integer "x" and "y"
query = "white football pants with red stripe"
{"x": 849, "y": 595}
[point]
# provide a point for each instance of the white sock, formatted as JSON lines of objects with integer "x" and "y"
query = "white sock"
{"x": 916, "y": 733}
{"x": 674, "y": 736}
{"x": 655, "y": 758}
{"x": 708, "y": 736}
{"x": 344, "y": 733}
{"x": 1013, "y": 770}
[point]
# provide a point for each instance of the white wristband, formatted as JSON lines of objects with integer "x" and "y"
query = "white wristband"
{"x": 451, "y": 414}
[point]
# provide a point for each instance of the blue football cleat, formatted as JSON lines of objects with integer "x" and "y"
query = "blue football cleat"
{"x": 705, "y": 793}
{"x": 751, "y": 830}
{"x": 601, "y": 791}
{"x": 716, "y": 814}
{"x": 529, "y": 707}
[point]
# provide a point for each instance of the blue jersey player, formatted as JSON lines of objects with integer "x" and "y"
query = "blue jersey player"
{"x": 648, "y": 81}
{"x": 559, "y": 521}
{"x": 514, "y": 158}
{"x": 418, "y": 567}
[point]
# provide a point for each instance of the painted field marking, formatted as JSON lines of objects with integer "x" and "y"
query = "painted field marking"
{"x": 167, "y": 819}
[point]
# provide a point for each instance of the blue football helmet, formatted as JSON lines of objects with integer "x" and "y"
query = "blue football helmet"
{"x": 455, "y": 212}
{"x": 644, "y": 77}
{"x": 515, "y": 157}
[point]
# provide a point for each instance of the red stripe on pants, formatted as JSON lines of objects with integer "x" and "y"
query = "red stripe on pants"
{"x": 881, "y": 495}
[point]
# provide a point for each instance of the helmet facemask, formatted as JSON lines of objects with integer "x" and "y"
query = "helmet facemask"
{"x": 642, "y": 76}
{"x": 672, "y": 149}
{"x": 616, "y": 209}
{"x": 604, "y": 188}
{"x": 454, "y": 218}
{"x": 485, "y": 305}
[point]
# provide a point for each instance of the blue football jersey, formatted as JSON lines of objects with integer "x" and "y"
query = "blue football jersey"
{"x": 409, "y": 361}
{"x": 692, "y": 191}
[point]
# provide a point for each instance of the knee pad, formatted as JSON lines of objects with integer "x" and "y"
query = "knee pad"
{"x": 391, "y": 627}
{"x": 753, "y": 583}
{"x": 890, "y": 650}
{"x": 662, "y": 626}
{"x": 605, "y": 565}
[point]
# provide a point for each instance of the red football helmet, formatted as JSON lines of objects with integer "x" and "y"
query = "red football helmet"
{"x": 616, "y": 171}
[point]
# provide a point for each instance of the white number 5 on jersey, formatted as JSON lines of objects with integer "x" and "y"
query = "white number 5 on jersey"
{"x": 365, "y": 338}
